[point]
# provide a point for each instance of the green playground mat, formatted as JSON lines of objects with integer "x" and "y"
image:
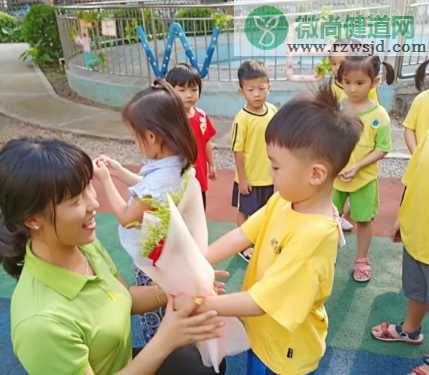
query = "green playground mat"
{"x": 353, "y": 308}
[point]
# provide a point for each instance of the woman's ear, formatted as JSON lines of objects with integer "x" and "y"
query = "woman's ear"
{"x": 33, "y": 222}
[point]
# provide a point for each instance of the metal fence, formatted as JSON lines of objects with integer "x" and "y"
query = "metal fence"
{"x": 122, "y": 54}
{"x": 406, "y": 64}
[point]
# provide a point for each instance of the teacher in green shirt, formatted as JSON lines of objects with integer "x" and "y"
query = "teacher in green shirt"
{"x": 71, "y": 310}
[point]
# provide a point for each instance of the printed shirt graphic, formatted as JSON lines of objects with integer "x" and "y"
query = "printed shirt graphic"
{"x": 248, "y": 137}
{"x": 290, "y": 276}
{"x": 203, "y": 131}
{"x": 375, "y": 135}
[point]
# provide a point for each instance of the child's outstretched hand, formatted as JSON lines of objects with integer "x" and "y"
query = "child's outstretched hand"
{"x": 219, "y": 286}
{"x": 178, "y": 328}
{"x": 183, "y": 301}
{"x": 101, "y": 172}
{"x": 113, "y": 165}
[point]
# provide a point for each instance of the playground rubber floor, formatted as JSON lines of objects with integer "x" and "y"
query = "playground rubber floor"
{"x": 353, "y": 308}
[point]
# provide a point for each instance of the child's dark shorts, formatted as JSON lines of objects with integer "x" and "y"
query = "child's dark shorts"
{"x": 249, "y": 204}
{"x": 415, "y": 279}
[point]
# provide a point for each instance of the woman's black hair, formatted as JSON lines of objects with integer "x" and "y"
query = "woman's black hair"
{"x": 160, "y": 110}
{"x": 420, "y": 75}
{"x": 184, "y": 75}
{"x": 371, "y": 65}
{"x": 35, "y": 175}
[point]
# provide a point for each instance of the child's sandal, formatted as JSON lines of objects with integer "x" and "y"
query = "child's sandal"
{"x": 362, "y": 270}
{"x": 385, "y": 335}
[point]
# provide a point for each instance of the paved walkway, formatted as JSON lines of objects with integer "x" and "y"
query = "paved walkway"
{"x": 26, "y": 94}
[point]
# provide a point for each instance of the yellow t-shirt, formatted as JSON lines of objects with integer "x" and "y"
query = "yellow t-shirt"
{"x": 418, "y": 116}
{"x": 248, "y": 137}
{"x": 375, "y": 135}
{"x": 290, "y": 276}
{"x": 339, "y": 92}
{"x": 414, "y": 211}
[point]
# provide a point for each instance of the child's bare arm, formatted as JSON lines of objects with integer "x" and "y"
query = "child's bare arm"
{"x": 410, "y": 139}
{"x": 116, "y": 169}
{"x": 227, "y": 246}
{"x": 234, "y": 304}
{"x": 125, "y": 214}
{"x": 372, "y": 157}
{"x": 210, "y": 161}
{"x": 244, "y": 186}
{"x": 129, "y": 178}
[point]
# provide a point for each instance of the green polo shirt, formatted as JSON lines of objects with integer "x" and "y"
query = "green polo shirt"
{"x": 64, "y": 323}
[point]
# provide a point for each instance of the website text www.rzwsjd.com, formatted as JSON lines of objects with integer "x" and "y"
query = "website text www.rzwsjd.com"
{"x": 370, "y": 48}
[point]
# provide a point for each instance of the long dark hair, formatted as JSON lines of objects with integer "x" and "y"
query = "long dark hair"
{"x": 371, "y": 65}
{"x": 35, "y": 175}
{"x": 160, "y": 110}
{"x": 420, "y": 75}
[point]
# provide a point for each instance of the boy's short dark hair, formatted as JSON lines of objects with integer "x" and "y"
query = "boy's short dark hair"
{"x": 317, "y": 126}
{"x": 183, "y": 75}
{"x": 251, "y": 69}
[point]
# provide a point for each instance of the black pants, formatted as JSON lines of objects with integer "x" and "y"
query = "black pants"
{"x": 185, "y": 361}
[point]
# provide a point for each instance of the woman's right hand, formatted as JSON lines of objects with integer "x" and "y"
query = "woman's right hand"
{"x": 179, "y": 329}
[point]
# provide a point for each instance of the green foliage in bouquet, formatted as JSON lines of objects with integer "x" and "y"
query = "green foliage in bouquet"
{"x": 153, "y": 233}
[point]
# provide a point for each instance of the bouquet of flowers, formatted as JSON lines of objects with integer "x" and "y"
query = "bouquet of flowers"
{"x": 174, "y": 240}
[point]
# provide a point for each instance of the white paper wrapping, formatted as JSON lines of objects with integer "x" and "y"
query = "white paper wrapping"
{"x": 183, "y": 268}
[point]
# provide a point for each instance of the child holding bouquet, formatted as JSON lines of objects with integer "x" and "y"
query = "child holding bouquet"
{"x": 157, "y": 120}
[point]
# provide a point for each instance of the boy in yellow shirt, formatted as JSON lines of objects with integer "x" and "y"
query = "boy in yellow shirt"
{"x": 416, "y": 123}
{"x": 296, "y": 237}
{"x": 253, "y": 184}
{"x": 413, "y": 220}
